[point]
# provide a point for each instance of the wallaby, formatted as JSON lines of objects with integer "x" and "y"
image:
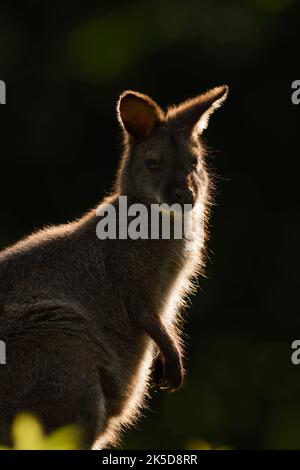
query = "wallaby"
{"x": 86, "y": 321}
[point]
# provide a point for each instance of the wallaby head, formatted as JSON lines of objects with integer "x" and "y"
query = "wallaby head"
{"x": 163, "y": 160}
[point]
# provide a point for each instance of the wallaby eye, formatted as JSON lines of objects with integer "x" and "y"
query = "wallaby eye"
{"x": 152, "y": 164}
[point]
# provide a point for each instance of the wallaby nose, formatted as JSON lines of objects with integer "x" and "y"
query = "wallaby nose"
{"x": 184, "y": 196}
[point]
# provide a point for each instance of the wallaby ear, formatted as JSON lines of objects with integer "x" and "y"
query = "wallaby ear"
{"x": 138, "y": 113}
{"x": 194, "y": 114}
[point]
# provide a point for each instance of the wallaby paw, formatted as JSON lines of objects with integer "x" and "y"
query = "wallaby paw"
{"x": 158, "y": 371}
{"x": 167, "y": 376}
{"x": 173, "y": 376}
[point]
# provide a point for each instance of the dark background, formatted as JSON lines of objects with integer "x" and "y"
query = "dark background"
{"x": 65, "y": 63}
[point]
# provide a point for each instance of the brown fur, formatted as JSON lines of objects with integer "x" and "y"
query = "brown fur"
{"x": 82, "y": 318}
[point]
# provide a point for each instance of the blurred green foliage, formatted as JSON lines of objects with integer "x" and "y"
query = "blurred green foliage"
{"x": 28, "y": 434}
{"x": 108, "y": 44}
{"x": 65, "y": 65}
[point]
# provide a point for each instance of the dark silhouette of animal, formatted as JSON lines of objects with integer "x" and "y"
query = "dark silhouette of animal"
{"x": 85, "y": 320}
